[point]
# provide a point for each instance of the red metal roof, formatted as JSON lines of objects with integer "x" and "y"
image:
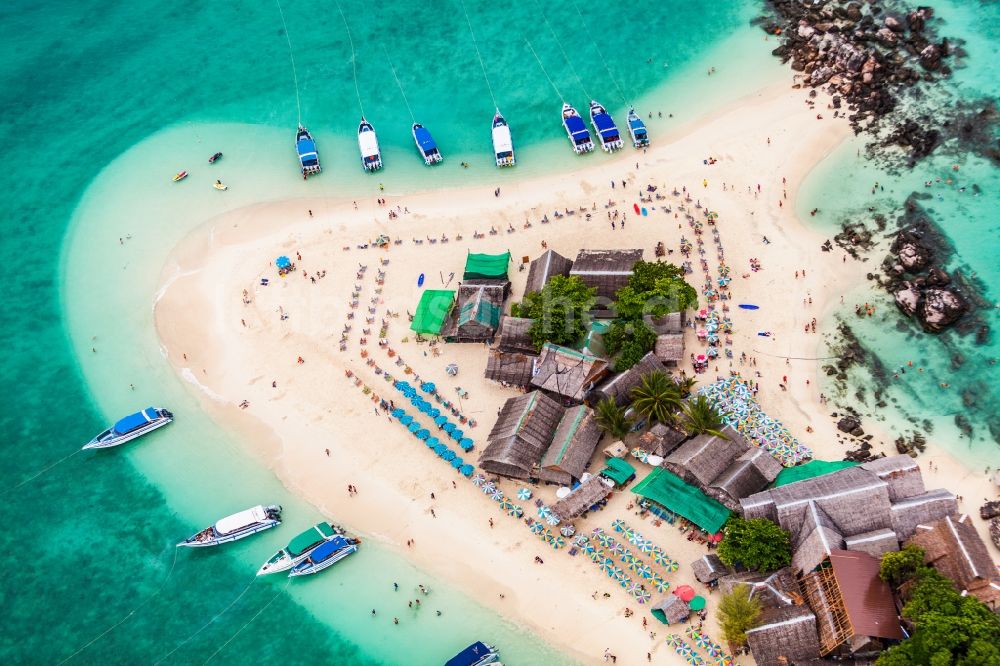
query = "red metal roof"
{"x": 868, "y": 599}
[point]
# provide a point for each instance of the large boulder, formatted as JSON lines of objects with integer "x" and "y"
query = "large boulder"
{"x": 940, "y": 308}
{"x": 914, "y": 257}
{"x": 907, "y": 297}
{"x": 886, "y": 36}
{"x": 848, "y": 424}
{"x": 892, "y": 23}
{"x": 930, "y": 57}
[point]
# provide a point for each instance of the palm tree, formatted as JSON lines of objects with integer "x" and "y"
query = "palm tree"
{"x": 612, "y": 418}
{"x": 700, "y": 418}
{"x": 657, "y": 398}
{"x": 686, "y": 384}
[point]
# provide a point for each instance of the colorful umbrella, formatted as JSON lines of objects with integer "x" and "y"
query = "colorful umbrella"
{"x": 517, "y": 511}
{"x": 605, "y": 540}
{"x": 659, "y": 557}
{"x": 659, "y": 583}
{"x": 567, "y": 530}
{"x": 537, "y": 528}
{"x": 643, "y": 570}
{"x": 643, "y": 597}
{"x": 552, "y": 519}
{"x": 544, "y": 511}
{"x": 523, "y": 494}
{"x": 696, "y": 603}
{"x": 618, "y": 524}
{"x": 558, "y": 542}
{"x": 597, "y": 531}
{"x": 506, "y": 505}
{"x": 618, "y": 549}
{"x": 497, "y": 494}
{"x": 646, "y": 546}
{"x": 673, "y": 640}
{"x": 685, "y": 592}
{"x": 489, "y": 487}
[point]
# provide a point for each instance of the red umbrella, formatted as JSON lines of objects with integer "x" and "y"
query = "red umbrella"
{"x": 717, "y": 537}
{"x": 685, "y": 592}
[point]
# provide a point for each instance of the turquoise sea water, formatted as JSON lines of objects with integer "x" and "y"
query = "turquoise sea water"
{"x": 102, "y": 103}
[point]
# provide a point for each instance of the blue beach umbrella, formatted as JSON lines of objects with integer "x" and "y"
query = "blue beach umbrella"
{"x": 396, "y": 413}
{"x": 414, "y": 427}
{"x": 457, "y": 435}
{"x": 423, "y": 433}
{"x": 433, "y": 441}
{"x": 465, "y": 443}
{"x": 466, "y": 470}
{"x": 457, "y": 462}
{"x": 406, "y": 419}
{"x": 428, "y": 387}
{"x": 440, "y": 448}
{"x": 434, "y": 413}
{"x": 448, "y": 426}
{"x": 282, "y": 262}
{"x": 440, "y": 420}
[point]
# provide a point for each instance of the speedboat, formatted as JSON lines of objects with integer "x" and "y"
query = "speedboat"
{"x": 426, "y": 145}
{"x": 326, "y": 555}
{"x": 640, "y": 139}
{"x": 131, "y": 427}
{"x": 477, "y": 654}
{"x": 503, "y": 146}
{"x": 577, "y": 131}
{"x": 214, "y": 158}
{"x": 180, "y": 175}
{"x": 371, "y": 156}
{"x": 605, "y": 127}
{"x": 219, "y": 185}
{"x": 237, "y": 526}
{"x": 305, "y": 146}
{"x": 299, "y": 548}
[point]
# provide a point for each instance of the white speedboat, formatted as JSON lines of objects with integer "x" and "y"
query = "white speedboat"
{"x": 426, "y": 145}
{"x": 640, "y": 138}
{"x": 604, "y": 125}
{"x": 577, "y": 131}
{"x": 299, "y": 548}
{"x": 503, "y": 145}
{"x": 371, "y": 156}
{"x": 131, "y": 427}
{"x": 326, "y": 555}
{"x": 237, "y": 526}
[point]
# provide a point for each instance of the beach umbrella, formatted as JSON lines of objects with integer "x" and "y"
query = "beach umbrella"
{"x": 537, "y": 528}
{"x": 567, "y": 530}
{"x": 660, "y": 557}
{"x": 685, "y": 592}
{"x": 697, "y": 603}
{"x": 643, "y": 570}
{"x": 406, "y": 419}
{"x": 414, "y": 427}
{"x": 618, "y": 549}
{"x": 282, "y": 262}
{"x": 673, "y": 640}
{"x": 506, "y": 505}
{"x": 517, "y": 512}
{"x": 489, "y": 487}
{"x": 434, "y": 413}
{"x": 428, "y": 387}
{"x": 544, "y": 511}
{"x": 497, "y": 495}
{"x": 448, "y": 455}
{"x": 523, "y": 494}
{"x": 642, "y": 596}
{"x": 660, "y": 583}
{"x": 605, "y": 540}
{"x": 440, "y": 420}
{"x": 448, "y": 426}
{"x": 452, "y": 369}
{"x": 457, "y": 462}
{"x": 478, "y": 479}
{"x": 633, "y": 588}
{"x": 396, "y": 413}
{"x": 422, "y": 434}
{"x": 646, "y": 546}
{"x": 547, "y": 536}
{"x": 552, "y": 519}
{"x": 635, "y": 538}
{"x": 597, "y": 531}
{"x": 434, "y": 441}
{"x": 465, "y": 443}
{"x": 724, "y": 660}
{"x": 466, "y": 469}
{"x": 558, "y": 542}
{"x": 456, "y": 434}
{"x": 618, "y": 524}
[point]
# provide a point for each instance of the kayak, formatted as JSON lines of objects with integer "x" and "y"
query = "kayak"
{"x": 181, "y": 175}
{"x": 636, "y": 207}
{"x": 747, "y": 306}
{"x": 213, "y": 158}
{"x": 644, "y": 213}
{"x": 219, "y": 185}
{"x": 420, "y": 280}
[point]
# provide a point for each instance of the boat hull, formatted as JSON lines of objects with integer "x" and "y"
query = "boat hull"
{"x": 112, "y": 442}
{"x": 228, "y": 538}
{"x": 325, "y": 564}
{"x": 371, "y": 155}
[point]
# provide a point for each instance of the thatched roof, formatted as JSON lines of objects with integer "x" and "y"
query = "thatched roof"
{"x": 521, "y": 434}
{"x": 661, "y": 440}
{"x": 605, "y": 270}
{"x": 476, "y": 316}
{"x": 748, "y": 474}
{"x": 573, "y": 443}
{"x": 587, "y": 494}
{"x": 818, "y": 537}
{"x": 670, "y": 610}
{"x": 954, "y": 547}
{"x": 548, "y": 264}
{"x": 784, "y": 636}
{"x": 774, "y": 590}
{"x": 876, "y": 543}
{"x": 510, "y": 369}
{"x": 709, "y": 568}
{"x": 620, "y": 386}
{"x": 513, "y": 335}
{"x": 567, "y": 373}
{"x": 702, "y": 459}
{"x": 901, "y": 473}
{"x": 922, "y": 509}
{"x": 669, "y": 348}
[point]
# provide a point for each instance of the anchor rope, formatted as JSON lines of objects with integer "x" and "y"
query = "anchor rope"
{"x": 599, "y": 53}
{"x": 256, "y": 615}
{"x": 542, "y": 67}
{"x": 398, "y": 84}
{"x": 354, "y": 57}
{"x": 295, "y": 75}
{"x": 561, "y": 49}
{"x": 475, "y": 43}
{"x": 40, "y": 472}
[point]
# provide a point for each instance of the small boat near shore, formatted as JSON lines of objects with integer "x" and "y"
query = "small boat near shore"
{"x": 371, "y": 156}
{"x": 180, "y": 175}
{"x": 640, "y": 138}
{"x": 326, "y": 555}
{"x": 426, "y": 145}
{"x": 132, "y": 426}
{"x": 305, "y": 147}
{"x": 503, "y": 145}
{"x": 214, "y": 158}
{"x": 235, "y": 527}
{"x": 576, "y": 130}
{"x": 299, "y": 548}
{"x": 219, "y": 185}
{"x": 477, "y": 654}
{"x": 604, "y": 125}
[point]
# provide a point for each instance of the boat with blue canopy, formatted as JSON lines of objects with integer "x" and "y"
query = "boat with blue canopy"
{"x": 640, "y": 139}
{"x": 605, "y": 127}
{"x": 326, "y": 555}
{"x": 305, "y": 147}
{"x": 131, "y": 427}
{"x": 237, "y": 526}
{"x": 477, "y": 654}
{"x": 299, "y": 548}
{"x": 426, "y": 145}
{"x": 503, "y": 145}
{"x": 371, "y": 156}
{"x": 577, "y": 131}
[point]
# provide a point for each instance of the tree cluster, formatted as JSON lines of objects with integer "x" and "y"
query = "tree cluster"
{"x": 559, "y": 311}
{"x": 756, "y": 544}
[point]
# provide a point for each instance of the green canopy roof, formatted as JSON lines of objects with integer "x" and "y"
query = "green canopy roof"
{"x": 481, "y": 310}
{"x": 310, "y": 537}
{"x": 618, "y": 471}
{"x": 668, "y": 490}
{"x": 486, "y": 266}
{"x": 809, "y": 470}
{"x": 433, "y": 309}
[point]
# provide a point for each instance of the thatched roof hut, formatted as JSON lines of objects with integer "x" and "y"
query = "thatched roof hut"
{"x": 521, "y": 434}
{"x": 544, "y": 267}
{"x": 876, "y": 543}
{"x": 748, "y": 474}
{"x": 702, "y": 459}
{"x": 902, "y": 473}
{"x": 567, "y": 373}
{"x": 477, "y": 314}
{"x": 709, "y": 568}
{"x": 578, "y": 502}
{"x": 784, "y": 636}
{"x": 670, "y": 349}
{"x": 513, "y": 335}
{"x": 921, "y": 509}
{"x": 572, "y": 446}
{"x": 670, "y": 610}
{"x": 773, "y": 590}
{"x": 817, "y": 538}
{"x": 661, "y": 440}
{"x": 510, "y": 368}
{"x": 954, "y": 548}
{"x": 619, "y": 387}
{"x": 605, "y": 270}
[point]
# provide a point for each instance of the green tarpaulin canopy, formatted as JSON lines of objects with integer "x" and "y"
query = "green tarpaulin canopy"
{"x": 486, "y": 266}
{"x": 810, "y": 470}
{"x": 618, "y": 471}
{"x": 433, "y": 309}
{"x": 669, "y": 490}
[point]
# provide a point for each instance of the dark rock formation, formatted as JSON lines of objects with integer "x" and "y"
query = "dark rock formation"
{"x": 940, "y": 308}
{"x": 995, "y": 532}
{"x": 990, "y": 510}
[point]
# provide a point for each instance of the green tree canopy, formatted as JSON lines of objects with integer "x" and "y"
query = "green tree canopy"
{"x": 701, "y": 418}
{"x": 738, "y": 612}
{"x": 629, "y": 340}
{"x": 657, "y": 398}
{"x": 558, "y": 310}
{"x": 755, "y": 544}
{"x": 612, "y": 418}
{"x": 655, "y": 288}
{"x": 902, "y": 565}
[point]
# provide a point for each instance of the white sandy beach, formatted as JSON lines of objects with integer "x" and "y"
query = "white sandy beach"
{"x": 230, "y": 351}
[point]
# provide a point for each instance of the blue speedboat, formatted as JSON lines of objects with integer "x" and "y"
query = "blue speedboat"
{"x": 477, "y": 654}
{"x": 305, "y": 146}
{"x": 299, "y": 548}
{"x": 130, "y": 427}
{"x": 371, "y": 156}
{"x": 607, "y": 132}
{"x": 426, "y": 144}
{"x": 325, "y": 556}
{"x": 577, "y": 131}
{"x": 640, "y": 139}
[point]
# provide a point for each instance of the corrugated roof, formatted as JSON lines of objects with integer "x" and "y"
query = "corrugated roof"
{"x": 867, "y": 598}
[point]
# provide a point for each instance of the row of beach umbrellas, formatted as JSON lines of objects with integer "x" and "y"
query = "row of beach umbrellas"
{"x": 616, "y": 573}
{"x": 658, "y": 555}
{"x": 705, "y": 642}
{"x": 433, "y": 443}
{"x": 427, "y": 408}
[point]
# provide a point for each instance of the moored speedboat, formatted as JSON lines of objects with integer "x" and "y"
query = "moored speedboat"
{"x": 325, "y": 555}
{"x": 577, "y": 131}
{"x": 640, "y": 139}
{"x": 477, "y": 654}
{"x": 503, "y": 145}
{"x": 607, "y": 132}
{"x": 237, "y": 526}
{"x": 426, "y": 144}
{"x": 180, "y": 175}
{"x": 219, "y": 185}
{"x": 130, "y": 427}
{"x": 305, "y": 146}
{"x": 371, "y": 156}
{"x": 214, "y": 158}
{"x": 299, "y": 548}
